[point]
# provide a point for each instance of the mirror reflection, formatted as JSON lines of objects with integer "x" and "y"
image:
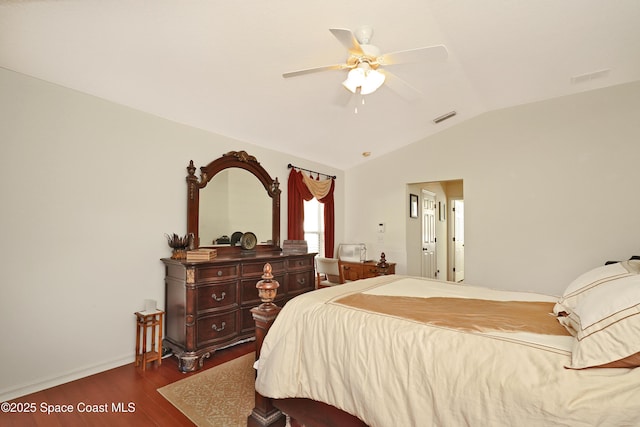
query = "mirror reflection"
{"x": 234, "y": 201}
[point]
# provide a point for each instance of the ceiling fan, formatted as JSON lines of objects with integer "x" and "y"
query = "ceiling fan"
{"x": 365, "y": 63}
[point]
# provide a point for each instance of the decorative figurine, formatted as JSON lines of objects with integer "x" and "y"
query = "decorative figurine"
{"x": 383, "y": 261}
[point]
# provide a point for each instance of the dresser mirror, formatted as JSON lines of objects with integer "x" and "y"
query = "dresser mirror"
{"x": 234, "y": 194}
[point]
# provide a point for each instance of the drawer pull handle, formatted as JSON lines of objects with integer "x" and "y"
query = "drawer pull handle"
{"x": 218, "y": 329}
{"x": 219, "y": 273}
{"x": 215, "y": 297}
{"x": 301, "y": 281}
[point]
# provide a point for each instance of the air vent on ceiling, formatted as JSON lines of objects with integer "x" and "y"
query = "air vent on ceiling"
{"x": 590, "y": 76}
{"x": 444, "y": 117}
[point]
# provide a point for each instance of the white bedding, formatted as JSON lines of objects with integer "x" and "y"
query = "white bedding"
{"x": 391, "y": 371}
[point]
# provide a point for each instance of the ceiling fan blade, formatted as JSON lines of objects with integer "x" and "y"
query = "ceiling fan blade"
{"x": 348, "y": 40}
{"x": 315, "y": 70}
{"x": 401, "y": 87}
{"x": 431, "y": 53}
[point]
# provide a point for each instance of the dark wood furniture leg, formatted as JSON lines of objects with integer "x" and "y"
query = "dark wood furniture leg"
{"x": 264, "y": 414}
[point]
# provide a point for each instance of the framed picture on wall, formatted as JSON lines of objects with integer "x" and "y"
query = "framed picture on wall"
{"x": 442, "y": 211}
{"x": 413, "y": 206}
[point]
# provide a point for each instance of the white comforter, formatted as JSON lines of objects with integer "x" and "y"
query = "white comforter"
{"x": 390, "y": 371}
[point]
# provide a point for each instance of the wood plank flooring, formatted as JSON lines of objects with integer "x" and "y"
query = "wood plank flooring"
{"x": 123, "y": 396}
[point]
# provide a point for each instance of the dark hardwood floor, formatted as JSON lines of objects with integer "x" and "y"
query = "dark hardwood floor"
{"x": 127, "y": 396}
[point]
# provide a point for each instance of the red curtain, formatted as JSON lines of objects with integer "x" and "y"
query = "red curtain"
{"x": 329, "y": 221}
{"x": 298, "y": 192}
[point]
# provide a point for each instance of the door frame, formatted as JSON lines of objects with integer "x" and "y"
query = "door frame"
{"x": 444, "y": 190}
{"x": 452, "y": 247}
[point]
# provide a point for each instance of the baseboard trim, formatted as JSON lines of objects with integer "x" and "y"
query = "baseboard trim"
{"x": 24, "y": 389}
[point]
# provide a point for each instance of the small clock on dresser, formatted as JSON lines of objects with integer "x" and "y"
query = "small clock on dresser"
{"x": 248, "y": 241}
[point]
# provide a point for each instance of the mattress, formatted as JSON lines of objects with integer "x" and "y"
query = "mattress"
{"x": 391, "y": 369}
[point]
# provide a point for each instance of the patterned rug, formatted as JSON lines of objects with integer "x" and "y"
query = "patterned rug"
{"x": 222, "y": 396}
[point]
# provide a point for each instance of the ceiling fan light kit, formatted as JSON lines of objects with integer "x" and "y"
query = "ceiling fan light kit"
{"x": 373, "y": 80}
{"x": 354, "y": 79}
{"x": 365, "y": 78}
{"x": 364, "y": 61}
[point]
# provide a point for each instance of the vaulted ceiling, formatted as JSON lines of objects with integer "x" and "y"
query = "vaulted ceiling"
{"x": 218, "y": 65}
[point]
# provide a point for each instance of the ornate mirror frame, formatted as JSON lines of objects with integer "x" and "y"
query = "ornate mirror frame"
{"x": 232, "y": 159}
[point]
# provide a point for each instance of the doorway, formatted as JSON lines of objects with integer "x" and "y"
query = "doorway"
{"x": 435, "y": 239}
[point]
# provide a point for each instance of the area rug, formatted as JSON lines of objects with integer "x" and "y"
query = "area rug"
{"x": 222, "y": 396}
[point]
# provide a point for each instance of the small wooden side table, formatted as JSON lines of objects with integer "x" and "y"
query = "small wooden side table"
{"x": 149, "y": 320}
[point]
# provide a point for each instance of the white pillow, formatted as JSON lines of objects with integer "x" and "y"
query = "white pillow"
{"x": 592, "y": 280}
{"x": 606, "y": 323}
{"x": 605, "y": 301}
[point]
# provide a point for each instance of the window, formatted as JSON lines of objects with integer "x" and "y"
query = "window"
{"x": 314, "y": 226}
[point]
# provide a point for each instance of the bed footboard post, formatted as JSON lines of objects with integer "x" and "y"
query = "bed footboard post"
{"x": 264, "y": 414}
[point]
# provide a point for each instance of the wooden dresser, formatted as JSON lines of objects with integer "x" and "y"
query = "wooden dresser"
{"x": 365, "y": 270}
{"x": 208, "y": 303}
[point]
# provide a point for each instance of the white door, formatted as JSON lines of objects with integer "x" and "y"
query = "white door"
{"x": 458, "y": 240}
{"x": 429, "y": 266}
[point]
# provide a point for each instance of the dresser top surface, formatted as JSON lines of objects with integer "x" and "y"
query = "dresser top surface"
{"x": 256, "y": 257}
{"x": 368, "y": 262}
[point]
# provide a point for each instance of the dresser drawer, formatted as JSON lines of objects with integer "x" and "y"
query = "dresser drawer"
{"x": 249, "y": 293}
{"x": 218, "y": 296}
{"x": 217, "y": 272}
{"x": 370, "y": 271}
{"x": 248, "y": 323}
{"x": 302, "y": 263}
{"x": 300, "y": 281}
{"x": 216, "y": 328}
{"x": 352, "y": 271}
{"x": 257, "y": 268}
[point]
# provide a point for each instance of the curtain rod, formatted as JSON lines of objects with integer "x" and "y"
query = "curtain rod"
{"x": 308, "y": 170}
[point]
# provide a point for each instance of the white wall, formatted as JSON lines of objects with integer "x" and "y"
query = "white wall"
{"x": 88, "y": 190}
{"x": 549, "y": 189}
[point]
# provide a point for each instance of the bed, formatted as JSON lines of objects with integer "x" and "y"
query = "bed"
{"x": 406, "y": 351}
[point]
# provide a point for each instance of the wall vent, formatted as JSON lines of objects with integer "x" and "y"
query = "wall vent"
{"x": 590, "y": 76}
{"x": 444, "y": 117}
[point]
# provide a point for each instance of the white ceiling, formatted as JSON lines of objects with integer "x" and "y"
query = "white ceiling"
{"x": 217, "y": 65}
